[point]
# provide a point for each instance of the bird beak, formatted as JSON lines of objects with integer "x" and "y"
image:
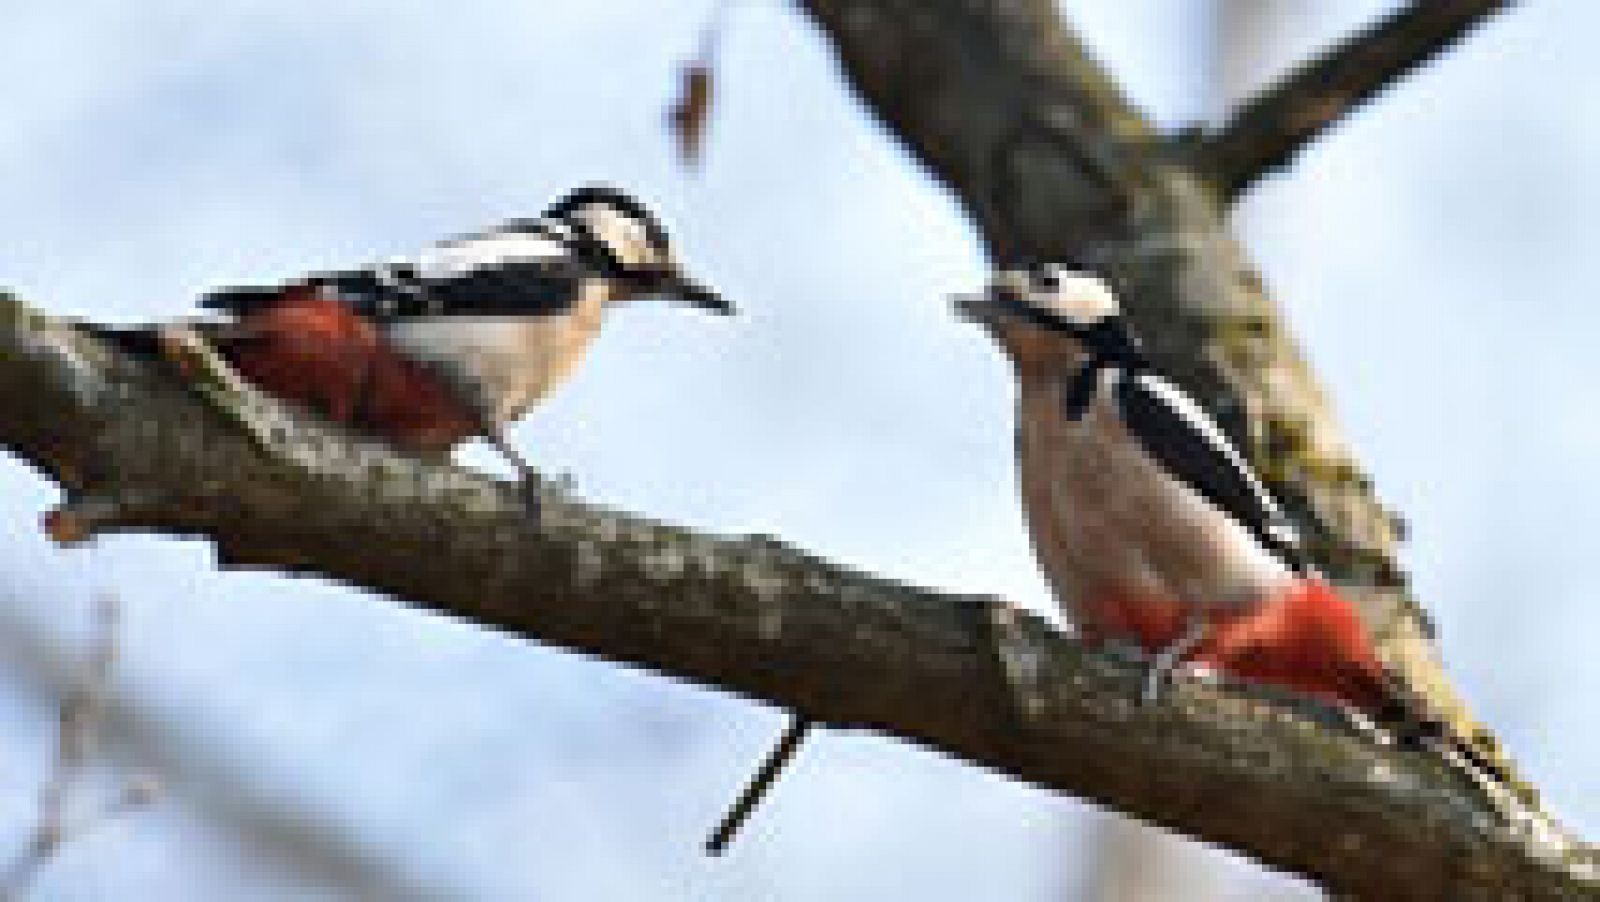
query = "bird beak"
{"x": 975, "y": 308}
{"x": 667, "y": 283}
{"x": 997, "y": 303}
{"x": 985, "y": 309}
{"x": 685, "y": 290}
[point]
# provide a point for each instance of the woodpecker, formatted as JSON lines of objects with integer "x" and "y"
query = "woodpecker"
{"x": 1151, "y": 526}
{"x": 461, "y": 339}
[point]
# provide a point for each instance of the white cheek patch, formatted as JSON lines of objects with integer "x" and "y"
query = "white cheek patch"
{"x": 626, "y": 237}
{"x": 1080, "y": 298}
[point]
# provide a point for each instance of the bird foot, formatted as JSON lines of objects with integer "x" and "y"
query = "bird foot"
{"x": 1156, "y": 679}
{"x": 1168, "y": 661}
{"x": 1155, "y": 684}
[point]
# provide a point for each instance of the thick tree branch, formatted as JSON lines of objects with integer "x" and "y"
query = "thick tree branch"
{"x": 1266, "y": 133}
{"x": 972, "y": 677}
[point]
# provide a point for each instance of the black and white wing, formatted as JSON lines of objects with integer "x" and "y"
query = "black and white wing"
{"x": 520, "y": 269}
{"x": 1187, "y": 443}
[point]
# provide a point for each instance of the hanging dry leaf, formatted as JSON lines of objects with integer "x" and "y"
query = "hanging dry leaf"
{"x": 689, "y": 115}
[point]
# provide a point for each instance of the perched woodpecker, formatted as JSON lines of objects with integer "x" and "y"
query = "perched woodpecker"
{"x": 1151, "y": 526}
{"x": 461, "y": 339}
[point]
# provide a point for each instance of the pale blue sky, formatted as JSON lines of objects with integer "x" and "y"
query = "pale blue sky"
{"x": 1432, "y": 254}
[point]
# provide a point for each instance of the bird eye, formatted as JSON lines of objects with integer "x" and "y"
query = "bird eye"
{"x": 1048, "y": 280}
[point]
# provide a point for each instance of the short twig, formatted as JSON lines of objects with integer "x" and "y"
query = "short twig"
{"x": 82, "y": 713}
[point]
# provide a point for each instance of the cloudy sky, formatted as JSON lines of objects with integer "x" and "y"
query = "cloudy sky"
{"x": 318, "y": 741}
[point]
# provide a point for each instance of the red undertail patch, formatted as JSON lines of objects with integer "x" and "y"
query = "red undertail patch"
{"x": 320, "y": 354}
{"x": 1308, "y": 639}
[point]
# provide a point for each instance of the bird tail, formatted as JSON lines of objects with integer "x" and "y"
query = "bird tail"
{"x": 138, "y": 340}
{"x": 144, "y": 341}
{"x": 1412, "y": 722}
{"x": 243, "y": 299}
{"x": 1340, "y": 662}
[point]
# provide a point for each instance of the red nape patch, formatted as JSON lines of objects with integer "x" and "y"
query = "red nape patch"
{"x": 320, "y": 354}
{"x": 1308, "y": 639}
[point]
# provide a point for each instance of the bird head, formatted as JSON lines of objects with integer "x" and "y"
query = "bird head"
{"x": 1050, "y": 314}
{"x": 632, "y": 247}
{"x": 1049, "y": 297}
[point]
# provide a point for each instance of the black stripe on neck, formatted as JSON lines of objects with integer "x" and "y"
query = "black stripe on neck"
{"x": 1110, "y": 341}
{"x": 1108, "y": 344}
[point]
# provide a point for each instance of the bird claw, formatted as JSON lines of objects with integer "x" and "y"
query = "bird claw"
{"x": 1169, "y": 660}
{"x": 1156, "y": 677}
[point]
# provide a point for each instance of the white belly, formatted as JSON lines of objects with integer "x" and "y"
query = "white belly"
{"x": 1108, "y": 522}
{"x": 509, "y": 362}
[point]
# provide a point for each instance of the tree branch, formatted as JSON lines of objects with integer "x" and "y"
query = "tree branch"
{"x": 972, "y": 677}
{"x": 1266, "y": 133}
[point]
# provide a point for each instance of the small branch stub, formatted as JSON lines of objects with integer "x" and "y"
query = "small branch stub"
{"x": 80, "y": 519}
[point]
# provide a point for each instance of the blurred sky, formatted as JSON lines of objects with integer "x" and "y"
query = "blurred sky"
{"x": 321, "y": 744}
